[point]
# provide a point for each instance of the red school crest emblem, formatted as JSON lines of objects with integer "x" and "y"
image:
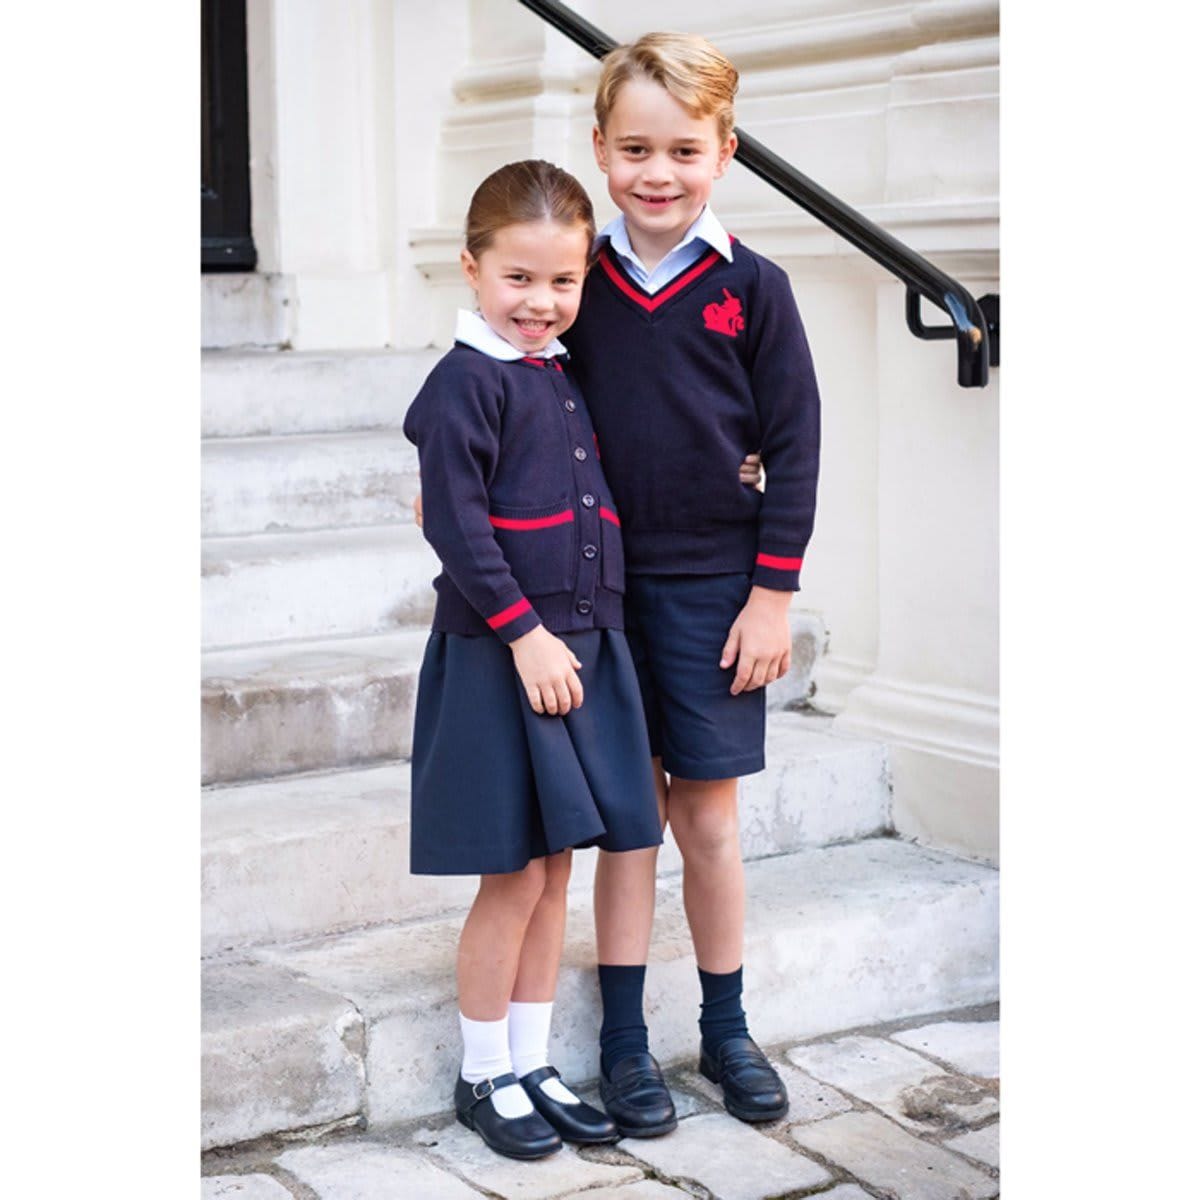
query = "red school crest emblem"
{"x": 725, "y": 317}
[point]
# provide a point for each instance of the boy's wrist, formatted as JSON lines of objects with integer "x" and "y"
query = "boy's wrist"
{"x": 770, "y": 598}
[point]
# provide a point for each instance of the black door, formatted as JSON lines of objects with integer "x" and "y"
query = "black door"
{"x": 225, "y": 241}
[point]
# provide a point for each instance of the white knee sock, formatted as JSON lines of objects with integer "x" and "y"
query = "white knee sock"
{"x": 485, "y": 1056}
{"x": 529, "y": 1041}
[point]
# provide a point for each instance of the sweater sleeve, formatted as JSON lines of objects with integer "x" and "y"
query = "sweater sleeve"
{"x": 455, "y": 424}
{"x": 789, "y": 411}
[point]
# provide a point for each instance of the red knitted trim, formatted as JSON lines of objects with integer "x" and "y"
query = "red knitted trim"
{"x": 779, "y": 564}
{"x": 510, "y": 614}
{"x": 562, "y": 518}
{"x": 650, "y": 303}
{"x": 607, "y": 514}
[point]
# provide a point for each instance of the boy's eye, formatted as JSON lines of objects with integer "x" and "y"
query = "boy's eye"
{"x": 686, "y": 151}
{"x": 517, "y": 277}
{"x": 565, "y": 281}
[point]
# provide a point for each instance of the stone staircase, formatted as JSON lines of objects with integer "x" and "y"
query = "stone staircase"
{"x": 328, "y": 976}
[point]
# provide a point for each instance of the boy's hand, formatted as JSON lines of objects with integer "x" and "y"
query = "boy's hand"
{"x": 418, "y": 511}
{"x": 750, "y": 471}
{"x": 547, "y": 669}
{"x": 760, "y": 641}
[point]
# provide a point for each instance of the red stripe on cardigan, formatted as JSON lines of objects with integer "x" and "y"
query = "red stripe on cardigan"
{"x": 511, "y": 613}
{"x": 607, "y": 514}
{"x": 650, "y": 303}
{"x": 561, "y": 518}
{"x": 780, "y": 564}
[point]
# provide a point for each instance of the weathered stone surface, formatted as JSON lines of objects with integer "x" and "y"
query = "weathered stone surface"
{"x": 264, "y": 392}
{"x": 906, "y": 1086}
{"x": 245, "y": 308}
{"x": 647, "y": 1189}
{"x": 845, "y": 1191}
{"x": 277, "y": 1053}
{"x": 366, "y": 1171}
{"x": 555, "y": 1175}
{"x": 270, "y": 710}
{"x": 264, "y": 844}
{"x": 981, "y": 1144}
{"x": 972, "y": 1047}
{"x": 808, "y": 1098}
{"x": 242, "y": 1187}
{"x": 842, "y": 935}
{"x": 885, "y": 1157}
{"x": 306, "y": 481}
{"x": 318, "y": 584}
{"x": 732, "y": 1160}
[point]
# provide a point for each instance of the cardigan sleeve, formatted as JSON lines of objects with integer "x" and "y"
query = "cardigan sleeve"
{"x": 455, "y": 423}
{"x": 789, "y": 410}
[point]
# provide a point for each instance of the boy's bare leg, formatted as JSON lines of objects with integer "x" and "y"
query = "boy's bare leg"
{"x": 623, "y": 896}
{"x": 703, "y": 815}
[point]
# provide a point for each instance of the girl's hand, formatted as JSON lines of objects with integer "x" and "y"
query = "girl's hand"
{"x": 418, "y": 511}
{"x": 759, "y": 641}
{"x": 547, "y": 669}
{"x": 750, "y": 472}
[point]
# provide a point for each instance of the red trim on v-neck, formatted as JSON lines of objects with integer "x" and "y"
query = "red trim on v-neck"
{"x": 650, "y": 303}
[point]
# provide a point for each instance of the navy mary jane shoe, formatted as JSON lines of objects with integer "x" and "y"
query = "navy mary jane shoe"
{"x": 515, "y": 1137}
{"x": 577, "y": 1122}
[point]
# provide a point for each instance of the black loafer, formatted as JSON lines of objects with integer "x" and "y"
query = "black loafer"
{"x": 637, "y": 1097}
{"x": 578, "y": 1122}
{"x": 514, "y": 1137}
{"x": 752, "y": 1087}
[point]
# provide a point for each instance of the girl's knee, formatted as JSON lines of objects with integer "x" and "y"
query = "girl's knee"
{"x": 557, "y": 872}
{"x": 517, "y": 889}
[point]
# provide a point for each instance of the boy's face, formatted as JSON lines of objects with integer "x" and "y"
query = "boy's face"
{"x": 660, "y": 161}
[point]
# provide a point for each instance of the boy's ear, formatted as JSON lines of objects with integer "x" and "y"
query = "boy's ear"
{"x": 600, "y": 148}
{"x": 725, "y": 155}
{"x": 470, "y": 268}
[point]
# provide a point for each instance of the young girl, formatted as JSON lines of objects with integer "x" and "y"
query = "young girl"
{"x": 529, "y": 736}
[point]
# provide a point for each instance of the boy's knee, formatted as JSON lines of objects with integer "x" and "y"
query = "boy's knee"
{"x": 704, "y": 825}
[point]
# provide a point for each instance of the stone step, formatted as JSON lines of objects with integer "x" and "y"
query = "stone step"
{"x": 283, "y": 707}
{"x": 307, "y": 706}
{"x": 250, "y": 393}
{"x": 836, "y": 937}
{"x": 319, "y": 584}
{"x": 264, "y": 844}
{"x": 306, "y": 481}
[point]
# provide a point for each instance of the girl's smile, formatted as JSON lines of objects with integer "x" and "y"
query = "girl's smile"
{"x": 528, "y": 281}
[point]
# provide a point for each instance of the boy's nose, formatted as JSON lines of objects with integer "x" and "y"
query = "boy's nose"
{"x": 657, "y": 169}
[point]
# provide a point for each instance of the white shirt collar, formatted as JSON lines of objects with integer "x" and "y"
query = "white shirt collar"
{"x": 475, "y": 332}
{"x": 706, "y": 227}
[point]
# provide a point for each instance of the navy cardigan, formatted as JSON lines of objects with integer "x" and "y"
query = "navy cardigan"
{"x": 516, "y": 505}
{"x": 683, "y": 384}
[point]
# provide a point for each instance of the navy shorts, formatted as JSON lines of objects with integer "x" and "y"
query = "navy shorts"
{"x": 676, "y": 626}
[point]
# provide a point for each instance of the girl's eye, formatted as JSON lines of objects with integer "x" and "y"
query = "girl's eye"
{"x": 634, "y": 149}
{"x": 686, "y": 151}
{"x": 564, "y": 281}
{"x": 517, "y": 277}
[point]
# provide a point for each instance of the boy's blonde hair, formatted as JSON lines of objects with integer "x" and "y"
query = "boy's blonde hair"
{"x": 692, "y": 70}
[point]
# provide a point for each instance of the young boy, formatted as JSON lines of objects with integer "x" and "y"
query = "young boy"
{"x": 691, "y": 353}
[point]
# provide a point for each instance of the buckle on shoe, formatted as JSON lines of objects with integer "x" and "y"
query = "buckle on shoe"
{"x": 483, "y": 1083}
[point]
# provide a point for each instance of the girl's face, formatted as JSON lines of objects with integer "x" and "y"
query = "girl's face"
{"x": 528, "y": 281}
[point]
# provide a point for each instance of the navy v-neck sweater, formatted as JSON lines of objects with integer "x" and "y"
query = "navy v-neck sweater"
{"x": 682, "y": 384}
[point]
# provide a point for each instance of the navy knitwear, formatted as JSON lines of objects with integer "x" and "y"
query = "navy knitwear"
{"x": 676, "y": 626}
{"x": 721, "y": 1015}
{"x": 623, "y": 1030}
{"x": 515, "y": 503}
{"x": 682, "y": 385}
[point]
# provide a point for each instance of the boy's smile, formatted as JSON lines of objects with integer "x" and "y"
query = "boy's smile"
{"x": 661, "y": 163}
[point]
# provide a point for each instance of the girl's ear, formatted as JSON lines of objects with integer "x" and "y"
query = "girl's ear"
{"x": 725, "y": 155}
{"x": 470, "y": 268}
{"x": 600, "y": 148}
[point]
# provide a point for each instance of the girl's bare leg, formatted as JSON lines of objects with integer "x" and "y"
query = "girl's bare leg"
{"x": 537, "y": 970}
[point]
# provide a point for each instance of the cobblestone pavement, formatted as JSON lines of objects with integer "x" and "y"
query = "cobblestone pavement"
{"x": 906, "y": 1111}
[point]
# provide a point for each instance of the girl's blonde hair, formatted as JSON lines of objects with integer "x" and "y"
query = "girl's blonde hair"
{"x": 692, "y": 70}
{"x": 531, "y": 190}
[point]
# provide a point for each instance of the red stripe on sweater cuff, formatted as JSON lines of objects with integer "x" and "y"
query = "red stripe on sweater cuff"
{"x": 779, "y": 564}
{"x": 511, "y": 613}
{"x": 561, "y": 518}
{"x": 607, "y": 514}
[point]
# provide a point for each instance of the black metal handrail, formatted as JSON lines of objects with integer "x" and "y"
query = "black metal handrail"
{"x": 975, "y": 324}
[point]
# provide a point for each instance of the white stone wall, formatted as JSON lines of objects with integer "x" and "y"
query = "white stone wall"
{"x": 373, "y": 120}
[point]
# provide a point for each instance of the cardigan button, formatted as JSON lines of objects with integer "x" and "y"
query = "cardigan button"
{"x": 587, "y": 500}
{"x": 590, "y": 552}
{"x": 584, "y": 606}
{"x": 569, "y": 405}
{"x": 580, "y": 454}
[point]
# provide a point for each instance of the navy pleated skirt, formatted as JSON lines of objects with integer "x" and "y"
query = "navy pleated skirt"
{"x": 494, "y": 784}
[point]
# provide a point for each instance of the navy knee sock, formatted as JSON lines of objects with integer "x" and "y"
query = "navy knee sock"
{"x": 721, "y": 1015}
{"x": 623, "y": 1030}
